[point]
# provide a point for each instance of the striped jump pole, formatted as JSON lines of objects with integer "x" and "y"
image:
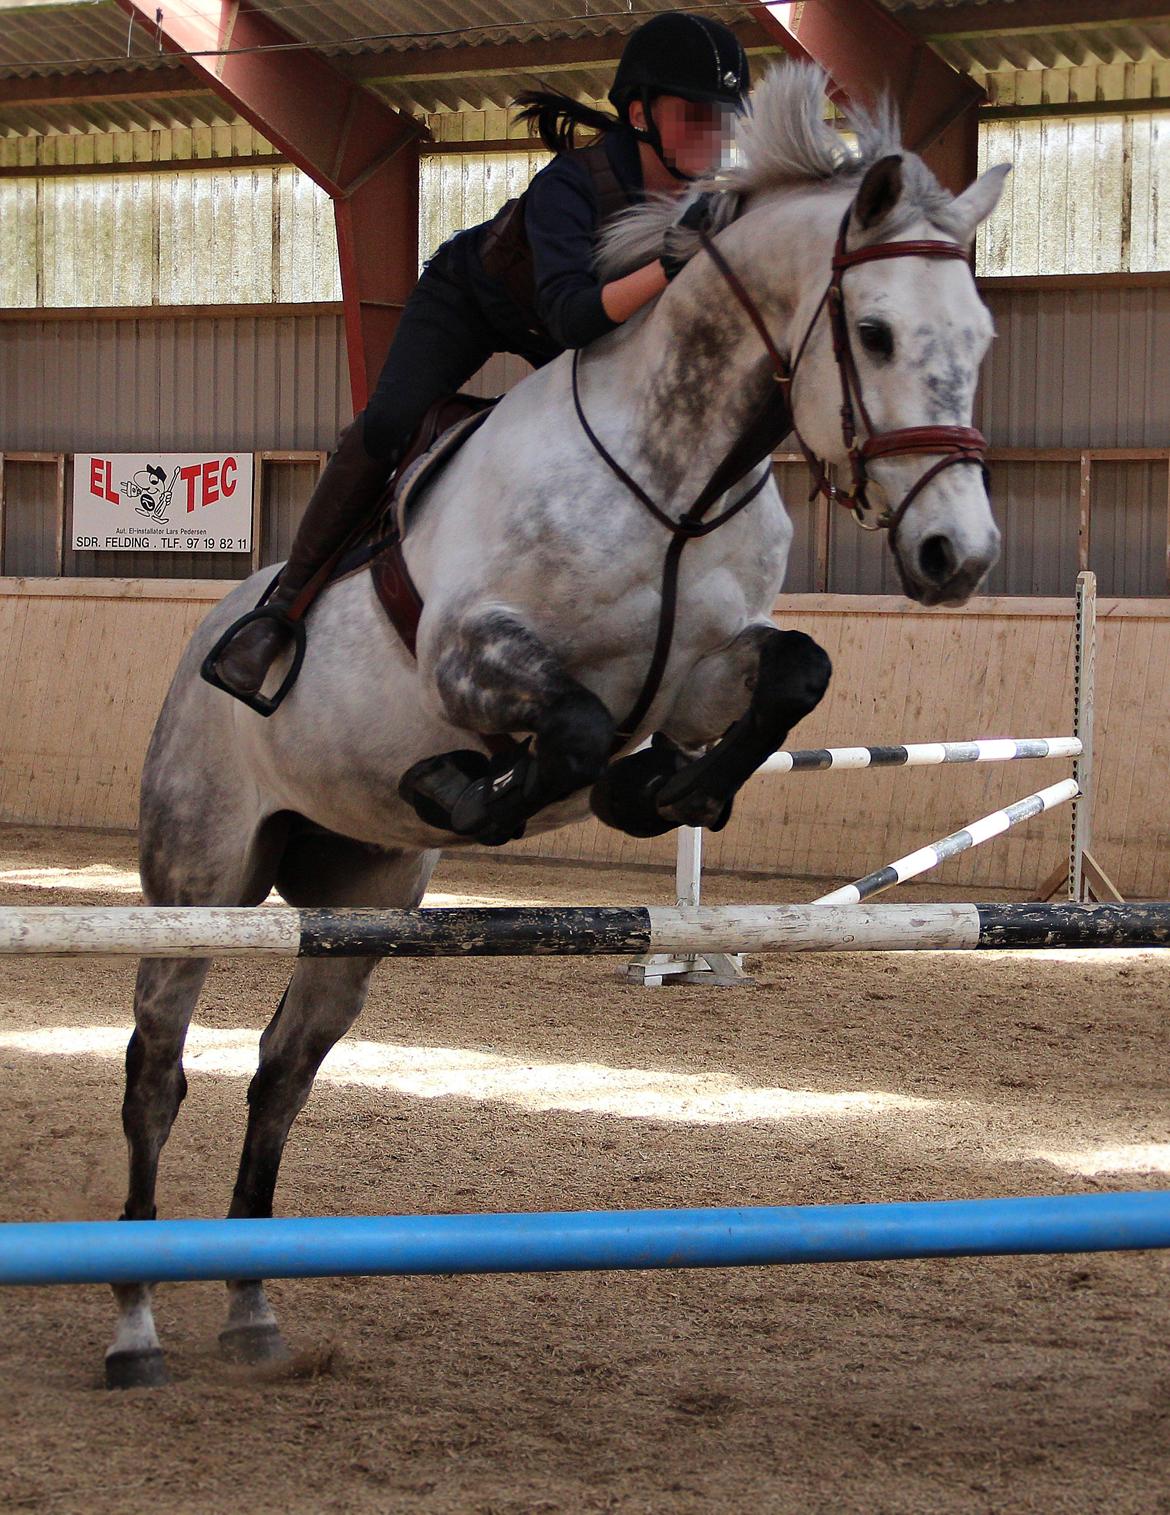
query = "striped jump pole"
{"x": 922, "y": 754}
{"x": 601, "y": 930}
{"x": 657, "y": 968}
{"x": 171, "y": 1251}
{"x": 970, "y": 836}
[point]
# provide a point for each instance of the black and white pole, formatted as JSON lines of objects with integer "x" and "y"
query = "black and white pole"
{"x": 922, "y": 754}
{"x": 925, "y": 858}
{"x": 579, "y": 931}
{"x": 655, "y": 970}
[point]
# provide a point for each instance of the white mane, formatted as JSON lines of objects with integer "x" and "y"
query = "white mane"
{"x": 785, "y": 141}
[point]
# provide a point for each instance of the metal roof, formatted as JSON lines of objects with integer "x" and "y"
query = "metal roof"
{"x": 95, "y": 37}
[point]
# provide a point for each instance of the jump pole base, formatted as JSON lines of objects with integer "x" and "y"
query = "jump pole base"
{"x": 653, "y": 971}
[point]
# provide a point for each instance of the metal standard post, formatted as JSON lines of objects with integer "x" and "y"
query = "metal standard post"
{"x": 1081, "y": 835}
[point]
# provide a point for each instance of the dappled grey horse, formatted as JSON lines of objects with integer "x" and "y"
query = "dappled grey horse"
{"x": 542, "y": 579}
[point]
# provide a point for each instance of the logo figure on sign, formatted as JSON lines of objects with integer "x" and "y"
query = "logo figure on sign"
{"x": 150, "y": 489}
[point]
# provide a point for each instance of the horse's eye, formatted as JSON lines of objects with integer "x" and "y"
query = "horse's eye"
{"x": 876, "y": 337}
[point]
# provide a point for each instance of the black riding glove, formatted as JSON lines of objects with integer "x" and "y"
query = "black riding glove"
{"x": 678, "y": 242}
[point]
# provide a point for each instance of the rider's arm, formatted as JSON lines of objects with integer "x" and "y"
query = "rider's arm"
{"x": 622, "y": 297}
{"x": 571, "y": 301}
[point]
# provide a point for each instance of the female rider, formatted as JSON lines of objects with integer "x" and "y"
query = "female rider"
{"x": 523, "y": 283}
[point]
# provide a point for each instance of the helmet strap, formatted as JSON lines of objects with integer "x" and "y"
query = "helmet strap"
{"x": 653, "y": 138}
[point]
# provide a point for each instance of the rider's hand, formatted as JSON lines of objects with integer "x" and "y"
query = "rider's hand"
{"x": 678, "y": 242}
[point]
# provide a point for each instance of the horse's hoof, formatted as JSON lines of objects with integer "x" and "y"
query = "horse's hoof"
{"x": 250, "y": 1345}
{"x": 136, "y": 1370}
{"x": 708, "y": 810}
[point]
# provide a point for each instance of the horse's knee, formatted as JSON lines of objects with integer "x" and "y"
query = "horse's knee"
{"x": 794, "y": 672}
{"x": 155, "y": 1088}
{"x": 574, "y": 739}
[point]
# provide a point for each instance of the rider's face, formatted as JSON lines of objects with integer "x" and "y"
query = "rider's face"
{"x": 694, "y": 135}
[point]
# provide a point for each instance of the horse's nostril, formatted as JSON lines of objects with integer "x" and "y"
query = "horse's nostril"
{"x": 936, "y": 558}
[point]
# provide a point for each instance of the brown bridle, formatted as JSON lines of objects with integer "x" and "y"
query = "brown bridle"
{"x": 957, "y": 444}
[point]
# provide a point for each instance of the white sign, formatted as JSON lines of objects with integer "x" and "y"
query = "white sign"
{"x": 162, "y": 502}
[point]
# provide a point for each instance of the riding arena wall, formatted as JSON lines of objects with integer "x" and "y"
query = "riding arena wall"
{"x": 999, "y": 667}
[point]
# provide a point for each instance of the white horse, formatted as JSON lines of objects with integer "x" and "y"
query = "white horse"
{"x": 542, "y": 579}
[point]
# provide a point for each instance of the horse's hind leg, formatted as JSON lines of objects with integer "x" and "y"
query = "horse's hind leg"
{"x": 164, "y": 997}
{"x": 183, "y": 862}
{"x": 494, "y": 675}
{"x": 323, "y": 999}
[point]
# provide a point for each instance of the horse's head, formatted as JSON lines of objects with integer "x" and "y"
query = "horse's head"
{"x": 885, "y": 384}
{"x": 849, "y": 265}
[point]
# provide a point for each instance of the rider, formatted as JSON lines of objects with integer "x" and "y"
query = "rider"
{"x": 524, "y": 282}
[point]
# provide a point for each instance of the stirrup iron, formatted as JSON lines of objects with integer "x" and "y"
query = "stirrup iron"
{"x": 265, "y": 705}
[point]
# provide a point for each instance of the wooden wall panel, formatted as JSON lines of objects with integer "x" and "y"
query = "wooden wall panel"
{"x": 71, "y": 749}
{"x": 84, "y": 667}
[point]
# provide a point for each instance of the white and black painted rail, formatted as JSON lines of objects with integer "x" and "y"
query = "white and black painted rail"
{"x": 579, "y": 931}
{"x": 925, "y": 858}
{"x": 922, "y": 754}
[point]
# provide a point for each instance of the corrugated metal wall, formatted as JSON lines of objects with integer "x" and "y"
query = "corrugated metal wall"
{"x": 1077, "y": 367}
{"x": 1070, "y": 368}
{"x": 30, "y": 526}
{"x": 188, "y": 237}
{"x": 173, "y": 382}
{"x": 249, "y": 382}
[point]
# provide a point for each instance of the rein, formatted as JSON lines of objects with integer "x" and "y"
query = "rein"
{"x": 683, "y": 530}
{"x": 957, "y": 444}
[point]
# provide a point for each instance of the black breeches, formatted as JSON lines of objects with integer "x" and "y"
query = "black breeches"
{"x": 443, "y": 338}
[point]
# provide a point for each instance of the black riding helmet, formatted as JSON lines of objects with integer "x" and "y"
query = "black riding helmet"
{"x": 677, "y": 53}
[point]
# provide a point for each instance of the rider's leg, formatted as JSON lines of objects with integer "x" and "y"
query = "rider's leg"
{"x": 442, "y": 339}
{"x": 494, "y": 675}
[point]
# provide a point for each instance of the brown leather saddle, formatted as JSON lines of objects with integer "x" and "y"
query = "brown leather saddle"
{"x": 443, "y": 431}
{"x": 439, "y": 436}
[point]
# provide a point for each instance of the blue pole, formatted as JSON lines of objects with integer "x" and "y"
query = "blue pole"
{"x": 86, "y": 1252}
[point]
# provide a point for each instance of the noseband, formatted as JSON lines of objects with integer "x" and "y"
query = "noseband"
{"x": 957, "y": 444}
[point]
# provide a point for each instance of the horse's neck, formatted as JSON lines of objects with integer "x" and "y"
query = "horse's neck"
{"x": 687, "y": 381}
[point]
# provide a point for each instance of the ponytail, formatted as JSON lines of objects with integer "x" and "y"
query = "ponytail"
{"x": 555, "y": 118}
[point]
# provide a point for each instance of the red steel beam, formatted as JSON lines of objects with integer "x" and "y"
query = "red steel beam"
{"x": 867, "y": 51}
{"x": 359, "y": 149}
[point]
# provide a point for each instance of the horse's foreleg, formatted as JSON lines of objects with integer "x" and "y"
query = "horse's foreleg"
{"x": 322, "y": 1001}
{"x": 164, "y": 997}
{"x": 791, "y": 676}
{"x": 495, "y": 676}
{"x": 763, "y": 684}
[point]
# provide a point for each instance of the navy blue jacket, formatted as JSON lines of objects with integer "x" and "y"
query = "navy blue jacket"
{"x": 561, "y": 222}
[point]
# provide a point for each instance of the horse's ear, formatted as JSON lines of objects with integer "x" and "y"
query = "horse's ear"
{"x": 978, "y": 200}
{"x": 880, "y": 191}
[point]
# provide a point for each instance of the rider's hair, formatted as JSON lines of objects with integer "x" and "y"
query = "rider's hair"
{"x": 555, "y": 118}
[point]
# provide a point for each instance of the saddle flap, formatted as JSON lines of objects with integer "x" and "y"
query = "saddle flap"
{"x": 440, "y": 435}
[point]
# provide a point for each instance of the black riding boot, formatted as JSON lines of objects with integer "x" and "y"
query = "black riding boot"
{"x": 345, "y": 496}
